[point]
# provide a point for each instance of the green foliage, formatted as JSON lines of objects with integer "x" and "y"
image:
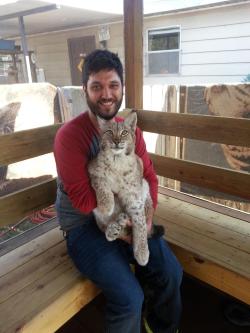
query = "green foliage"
{"x": 247, "y": 78}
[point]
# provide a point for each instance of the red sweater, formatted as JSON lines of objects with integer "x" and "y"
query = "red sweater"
{"x": 75, "y": 144}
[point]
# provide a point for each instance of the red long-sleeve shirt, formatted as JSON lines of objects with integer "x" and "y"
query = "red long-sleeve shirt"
{"x": 75, "y": 144}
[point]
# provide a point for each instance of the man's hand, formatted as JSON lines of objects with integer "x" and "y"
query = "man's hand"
{"x": 127, "y": 238}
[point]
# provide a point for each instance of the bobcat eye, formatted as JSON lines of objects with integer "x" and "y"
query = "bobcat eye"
{"x": 109, "y": 132}
{"x": 124, "y": 133}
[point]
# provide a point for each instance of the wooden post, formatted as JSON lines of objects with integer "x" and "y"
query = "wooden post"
{"x": 133, "y": 45}
{"x": 25, "y": 49}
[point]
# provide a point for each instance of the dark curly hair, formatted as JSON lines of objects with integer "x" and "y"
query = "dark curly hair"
{"x": 101, "y": 60}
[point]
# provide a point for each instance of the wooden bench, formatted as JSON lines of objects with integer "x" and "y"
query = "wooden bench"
{"x": 211, "y": 241}
{"x": 39, "y": 287}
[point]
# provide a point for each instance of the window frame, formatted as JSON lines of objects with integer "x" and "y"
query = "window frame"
{"x": 177, "y": 27}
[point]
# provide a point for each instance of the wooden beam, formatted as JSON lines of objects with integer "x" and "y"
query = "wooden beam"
{"x": 198, "y": 127}
{"x": 133, "y": 45}
{"x": 14, "y": 207}
{"x": 26, "y": 144}
{"x": 215, "y": 178}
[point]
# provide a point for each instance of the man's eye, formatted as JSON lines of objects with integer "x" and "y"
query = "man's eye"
{"x": 124, "y": 133}
{"x": 96, "y": 88}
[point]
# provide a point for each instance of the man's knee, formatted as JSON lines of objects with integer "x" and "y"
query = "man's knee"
{"x": 135, "y": 300}
{"x": 128, "y": 301}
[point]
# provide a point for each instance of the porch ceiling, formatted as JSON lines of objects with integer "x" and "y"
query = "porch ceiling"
{"x": 59, "y": 19}
{"x": 69, "y": 17}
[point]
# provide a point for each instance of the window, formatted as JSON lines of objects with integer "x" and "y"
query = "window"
{"x": 4, "y": 64}
{"x": 163, "y": 51}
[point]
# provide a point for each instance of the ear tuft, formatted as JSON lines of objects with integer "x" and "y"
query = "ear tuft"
{"x": 103, "y": 124}
{"x": 131, "y": 120}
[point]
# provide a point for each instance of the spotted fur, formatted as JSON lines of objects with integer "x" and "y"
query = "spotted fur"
{"x": 122, "y": 193}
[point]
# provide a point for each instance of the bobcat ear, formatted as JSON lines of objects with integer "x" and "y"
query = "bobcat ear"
{"x": 131, "y": 120}
{"x": 103, "y": 124}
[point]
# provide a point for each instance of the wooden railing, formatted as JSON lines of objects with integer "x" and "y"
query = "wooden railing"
{"x": 211, "y": 246}
{"x": 31, "y": 143}
{"x": 205, "y": 128}
{"x": 17, "y": 147}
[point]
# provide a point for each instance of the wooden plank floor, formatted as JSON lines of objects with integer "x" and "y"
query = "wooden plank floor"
{"x": 202, "y": 312}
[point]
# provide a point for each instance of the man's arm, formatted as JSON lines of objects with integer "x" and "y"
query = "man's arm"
{"x": 148, "y": 169}
{"x": 71, "y": 155}
{"x": 148, "y": 173}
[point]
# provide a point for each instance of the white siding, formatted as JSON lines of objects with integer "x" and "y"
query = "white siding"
{"x": 215, "y": 45}
{"x": 52, "y": 50}
{"x": 215, "y": 48}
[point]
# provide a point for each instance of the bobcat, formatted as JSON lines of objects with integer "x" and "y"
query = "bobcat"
{"x": 117, "y": 176}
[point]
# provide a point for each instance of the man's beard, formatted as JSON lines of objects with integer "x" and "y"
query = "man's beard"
{"x": 96, "y": 109}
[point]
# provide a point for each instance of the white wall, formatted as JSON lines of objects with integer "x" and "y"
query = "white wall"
{"x": 52, "y": 50}
{"x": 215, "y": 48}
{"x": 215, "y": 45}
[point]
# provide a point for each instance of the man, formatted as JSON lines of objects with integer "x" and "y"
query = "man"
{"x": 107, "y": 264}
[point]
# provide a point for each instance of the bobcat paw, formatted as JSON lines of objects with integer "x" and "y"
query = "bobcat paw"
{"x": 142, "y": 255}
{"x": 113, "y": 231}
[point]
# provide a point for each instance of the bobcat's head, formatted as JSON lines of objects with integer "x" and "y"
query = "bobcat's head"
{"x": 119, "y": 138}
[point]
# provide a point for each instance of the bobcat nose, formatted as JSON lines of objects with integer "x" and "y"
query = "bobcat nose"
{"x": 117, "y": 141}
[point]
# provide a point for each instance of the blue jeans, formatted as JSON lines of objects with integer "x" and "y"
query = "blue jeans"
{"x": 107, "y": 264}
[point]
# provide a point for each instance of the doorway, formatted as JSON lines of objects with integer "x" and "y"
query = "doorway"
{"x": 76, "y": 47}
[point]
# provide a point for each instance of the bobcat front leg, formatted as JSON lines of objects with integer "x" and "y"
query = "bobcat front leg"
{"x": 104, "y": 197}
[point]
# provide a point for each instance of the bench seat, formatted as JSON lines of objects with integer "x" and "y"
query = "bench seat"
{"x": 211, "y": 245}
{"x": 40, "y": 289}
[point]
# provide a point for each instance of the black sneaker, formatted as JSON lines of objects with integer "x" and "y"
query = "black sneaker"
{"x": 237, "y": 314}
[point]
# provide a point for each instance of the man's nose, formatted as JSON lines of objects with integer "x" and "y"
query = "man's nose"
{"x": 106, "y": 93}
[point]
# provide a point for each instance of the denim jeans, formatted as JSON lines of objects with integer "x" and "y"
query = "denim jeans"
{"x": 107, "y": 264}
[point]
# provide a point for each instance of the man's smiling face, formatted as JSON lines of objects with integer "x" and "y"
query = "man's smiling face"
{"x": 104, "y": 93}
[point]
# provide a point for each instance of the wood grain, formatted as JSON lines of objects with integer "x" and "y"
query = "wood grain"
{"x": 15, "y": 206}
{"x": 215, "y": 178}
{"x": 26, "y": 144}
{"x": 211, "y": 246}
{"x": 133, "y": 46}
{"x": 199, "y": 127}
{"x": 211, "y": 235}
{"x": 47, "y": 282}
